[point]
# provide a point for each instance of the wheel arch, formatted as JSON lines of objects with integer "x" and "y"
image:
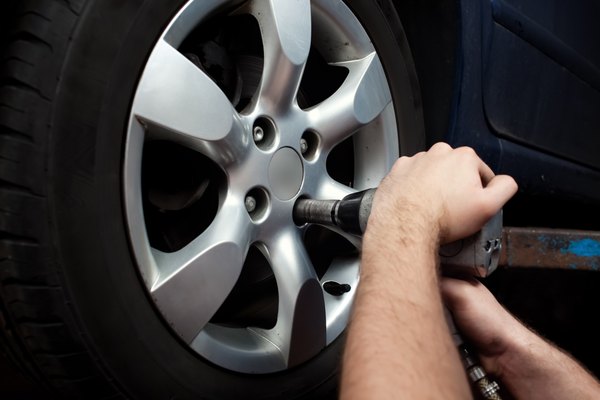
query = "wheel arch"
{"x": 432, "y": 29}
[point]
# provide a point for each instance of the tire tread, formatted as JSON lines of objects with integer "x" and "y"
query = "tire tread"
{"x": 39, "y": 333}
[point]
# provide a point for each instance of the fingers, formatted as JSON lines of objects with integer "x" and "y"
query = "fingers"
{"x": 498, "y": 191}
{"x": 485, "y": 172}
{"x": 457, "y": 293}
{"x": 458, "y": 188}
{"x": 480, "y": 318}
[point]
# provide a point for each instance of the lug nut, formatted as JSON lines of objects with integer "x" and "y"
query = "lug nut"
{"x": 258, "y": 134}
{"x": 250, "y": 203}
{"x": 303, "y": 146}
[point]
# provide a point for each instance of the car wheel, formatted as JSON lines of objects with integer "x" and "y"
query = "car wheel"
{"x": 152, "y": 151}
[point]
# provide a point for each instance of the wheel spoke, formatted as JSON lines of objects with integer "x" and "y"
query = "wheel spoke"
{"x": 331, "y": 189}
{"x": 178, "y": 101}
{"x": 300, "y": 332}
{"x": 181, "y": 100}
{"x": 361, "y": 98}
{"x": 286, "y": 30}
{"x": 196, "y": 280}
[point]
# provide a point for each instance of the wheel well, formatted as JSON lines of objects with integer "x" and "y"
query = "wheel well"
{"x": 432, "y": 30}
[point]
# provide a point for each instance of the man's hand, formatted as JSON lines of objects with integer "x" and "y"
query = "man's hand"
{"x": 453, "y": 188}
{"x": 526, "y": 365}
{"x": 398, "y": 343}
{"x": 485, "y": 323}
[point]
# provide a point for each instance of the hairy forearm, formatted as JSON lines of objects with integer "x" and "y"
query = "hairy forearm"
{"x": 532, "y": 368}
{"x": 398, "y": 343}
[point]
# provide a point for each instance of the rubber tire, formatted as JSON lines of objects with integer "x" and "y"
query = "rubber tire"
{"x": 77, "y": 316}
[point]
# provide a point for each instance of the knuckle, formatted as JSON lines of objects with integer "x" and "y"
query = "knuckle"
{"x": 400, "y": 162}
{"x": 466, "y": 150}
{"x": 441, "y": 146}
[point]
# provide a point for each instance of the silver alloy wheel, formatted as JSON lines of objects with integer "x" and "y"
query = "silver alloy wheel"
{"x": 265, "y": 171}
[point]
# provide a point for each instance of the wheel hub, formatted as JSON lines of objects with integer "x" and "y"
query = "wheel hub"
{"x": 286, "y": 173}
{"x": 210, "y": 285}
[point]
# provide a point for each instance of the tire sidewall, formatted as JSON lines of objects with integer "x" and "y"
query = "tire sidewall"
{"x": 389, "y": 39}
{"x": 115, "y": 314}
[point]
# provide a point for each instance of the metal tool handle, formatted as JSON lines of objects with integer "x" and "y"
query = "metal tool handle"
{"x": 476, "y": 255}
{"x": 481, "y": 383}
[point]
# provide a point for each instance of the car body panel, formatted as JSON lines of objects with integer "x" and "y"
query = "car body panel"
{"x": 529, "y": 104}
{"x": 542, "y": 82}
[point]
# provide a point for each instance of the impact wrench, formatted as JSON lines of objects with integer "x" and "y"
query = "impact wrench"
{"x": 476, "y": 255}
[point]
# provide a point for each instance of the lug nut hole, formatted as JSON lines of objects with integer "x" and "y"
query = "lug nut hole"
{"x": 257, "y": 203}
{"x": 309, "y": 144}
{"x": 264, "y": 133}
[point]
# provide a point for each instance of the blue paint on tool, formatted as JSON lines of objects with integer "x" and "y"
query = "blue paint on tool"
{"x": 583, "y": 248}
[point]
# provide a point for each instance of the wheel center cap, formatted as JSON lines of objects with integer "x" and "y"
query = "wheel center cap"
{"x": 285, "y": 173}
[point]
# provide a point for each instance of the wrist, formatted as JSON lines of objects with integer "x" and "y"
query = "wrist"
{"x": 528, "y": 356}
{"x": 403, "y": 219}
{"x": 400, "y": 251}
{"x": 395, "y": 235}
